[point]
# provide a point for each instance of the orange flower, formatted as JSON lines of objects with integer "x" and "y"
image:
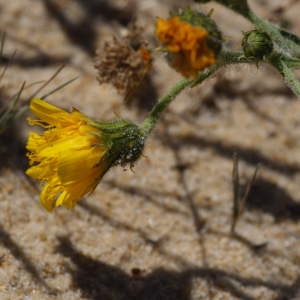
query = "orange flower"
{"x": 186, "y": 44}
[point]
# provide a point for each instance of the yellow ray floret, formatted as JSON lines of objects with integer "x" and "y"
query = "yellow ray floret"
{"x": 68, "y": 157}
{"x": 187, "y": 45}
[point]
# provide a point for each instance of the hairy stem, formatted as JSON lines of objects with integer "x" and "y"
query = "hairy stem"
{"x": 286, "y": 41}
{"x": 225, "y": 57}
{"x": 162, "y": 103}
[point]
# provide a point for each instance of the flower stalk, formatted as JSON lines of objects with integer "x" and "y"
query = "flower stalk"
{"x": 289, "y": 77}
{"x": 226, "y": 57}
{"x": 162, "y": 104}
{"x": 268, "y": 43}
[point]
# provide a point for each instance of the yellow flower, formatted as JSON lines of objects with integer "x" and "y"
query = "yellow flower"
{"x": 186, "y": 44}
{"x": 68, "y": 156}
{"x": 74, "y": 152}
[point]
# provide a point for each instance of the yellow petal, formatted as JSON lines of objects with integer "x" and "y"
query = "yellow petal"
{"x": 45, "y": 170}
{"x": 51, "y": 114}
{"x": 49, "y": 193}
{"x": 66, "y": 200}
{"x": 73, "y": 167}
{"x": 45, "y": 111}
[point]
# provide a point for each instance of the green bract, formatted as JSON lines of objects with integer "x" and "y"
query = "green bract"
{"x": 126, "y": 141}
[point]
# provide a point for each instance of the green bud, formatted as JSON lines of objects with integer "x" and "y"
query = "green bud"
{"x": 257, "y": 44}
{"x": 199, "y": 19}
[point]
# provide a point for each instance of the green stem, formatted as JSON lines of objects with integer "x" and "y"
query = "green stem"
{"x": 289, "y": 77}
{"x": 162, "y": 103}
{"x": 284, "y": 40}
{"x": 279, "y": 62}
{"x": 268, "y": 28}
{"x": 206, "y": 73}
{"x": 225, "y": 58}
{"x": 234, "y": 57}
{"x": 293, "y": 42}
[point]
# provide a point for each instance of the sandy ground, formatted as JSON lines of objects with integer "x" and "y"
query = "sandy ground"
{"x": 162, "y": 231}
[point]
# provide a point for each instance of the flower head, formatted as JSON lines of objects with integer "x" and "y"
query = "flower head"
{"x": 123, "y": 65}
{"x": 74, "y": 152}
{"x": 186, "y": 44}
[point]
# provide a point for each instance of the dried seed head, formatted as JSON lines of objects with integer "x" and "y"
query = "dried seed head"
{"x": 124, "y": 63}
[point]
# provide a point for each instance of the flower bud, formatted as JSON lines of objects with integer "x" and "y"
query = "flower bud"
{"x": 257, "y": 44}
